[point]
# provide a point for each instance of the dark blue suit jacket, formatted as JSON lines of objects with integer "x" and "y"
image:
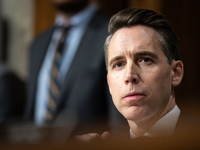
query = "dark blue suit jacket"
{"x": 85, "y": 89}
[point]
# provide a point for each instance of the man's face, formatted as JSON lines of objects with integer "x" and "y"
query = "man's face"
{"x": 139, "y": 76}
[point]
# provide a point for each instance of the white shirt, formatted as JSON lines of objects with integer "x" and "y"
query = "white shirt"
{"x": 164, "y": 126}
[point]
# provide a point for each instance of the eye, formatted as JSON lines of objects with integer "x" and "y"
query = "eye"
{"x": 146, "y": 60}
{"x": 118, "y": 65}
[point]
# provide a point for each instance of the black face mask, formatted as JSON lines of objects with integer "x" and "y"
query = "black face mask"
{"x": 72, "y": 7}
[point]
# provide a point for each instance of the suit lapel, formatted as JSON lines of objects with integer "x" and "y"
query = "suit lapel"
{"x": 38, "y": 52}
{"x": 85, "y": 53}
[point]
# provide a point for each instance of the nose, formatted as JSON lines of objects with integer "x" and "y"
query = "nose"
{"x": 131, "y": 75}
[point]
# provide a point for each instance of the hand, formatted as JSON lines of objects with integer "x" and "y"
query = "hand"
{"x": 92, "y": 137}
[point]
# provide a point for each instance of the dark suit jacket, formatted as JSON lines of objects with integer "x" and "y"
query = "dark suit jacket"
{"x": 85, "y": 89}
{"x": 12, "y": 95}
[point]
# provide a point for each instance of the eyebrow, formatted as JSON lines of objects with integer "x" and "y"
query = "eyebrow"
{"x": 142, "y": 53}
{"x": 146, "y": 53}
{"x": 115, "y": 59}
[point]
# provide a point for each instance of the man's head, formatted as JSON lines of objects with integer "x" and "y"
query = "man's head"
{"x": 142, "y": 56}
{"x": 70, "y": 6}
{"x": 132, "y": 17}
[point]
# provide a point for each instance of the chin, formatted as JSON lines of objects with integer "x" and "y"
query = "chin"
{"x": 132, "y": 116}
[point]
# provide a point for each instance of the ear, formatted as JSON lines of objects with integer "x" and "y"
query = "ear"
{"x": 108, "y": 81}
{"x": 177, "y": 74}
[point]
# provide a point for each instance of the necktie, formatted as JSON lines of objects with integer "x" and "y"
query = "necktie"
{"x": 54, "y": 87}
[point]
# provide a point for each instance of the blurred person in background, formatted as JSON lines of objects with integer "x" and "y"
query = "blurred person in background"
{"x": 12, "y": 88}
{"x": 12, "y": 95}
{"x": 74, "y": 80}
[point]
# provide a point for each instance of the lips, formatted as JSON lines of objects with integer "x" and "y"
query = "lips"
{"x": 133, "y": 96}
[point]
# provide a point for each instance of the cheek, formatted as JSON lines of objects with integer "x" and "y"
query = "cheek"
{"x": 160, "y": 75}
{"x": 115, "y": 86}
{"x": 115, "y": 80}
{"x": 114, "y": 91}
{"x": 160, "y": 83}
{"x": 165, "y": 79}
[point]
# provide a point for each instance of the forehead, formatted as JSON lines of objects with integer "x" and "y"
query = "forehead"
{"x": 133, "y": 39}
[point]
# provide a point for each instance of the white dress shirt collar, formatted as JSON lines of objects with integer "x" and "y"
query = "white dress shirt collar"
{"x": 164, "y": 126}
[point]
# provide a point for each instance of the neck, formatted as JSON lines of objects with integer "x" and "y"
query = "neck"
{"x": 66, "y": 16}
{"x": 141, "y": 127}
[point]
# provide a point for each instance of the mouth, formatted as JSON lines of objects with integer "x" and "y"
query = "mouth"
{"x": 133, "y": 96}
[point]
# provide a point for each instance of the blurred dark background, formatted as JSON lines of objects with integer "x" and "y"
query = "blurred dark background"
{"x": 184, "y": 18}
{"x": 182, "y": 14}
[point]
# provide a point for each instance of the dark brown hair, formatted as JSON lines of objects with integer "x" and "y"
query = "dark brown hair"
{"x": 132, "y": 16}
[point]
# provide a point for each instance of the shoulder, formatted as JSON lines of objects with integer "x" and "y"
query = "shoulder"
{"x": 5, "y": 71}
{"x": 99, "y": 20}
{"x": 98, "y": 27}
{"x": 46, "y": 32}
{"x": 42, "y": 37}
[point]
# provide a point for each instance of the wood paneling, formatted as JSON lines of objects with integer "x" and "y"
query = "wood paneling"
{"x": 45, "y": 12}
{"x": 110, "y": 7}
{"x": 44, "y": 15}
{"x": 147, "y": 4}
{"x": 184, "y": 18}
